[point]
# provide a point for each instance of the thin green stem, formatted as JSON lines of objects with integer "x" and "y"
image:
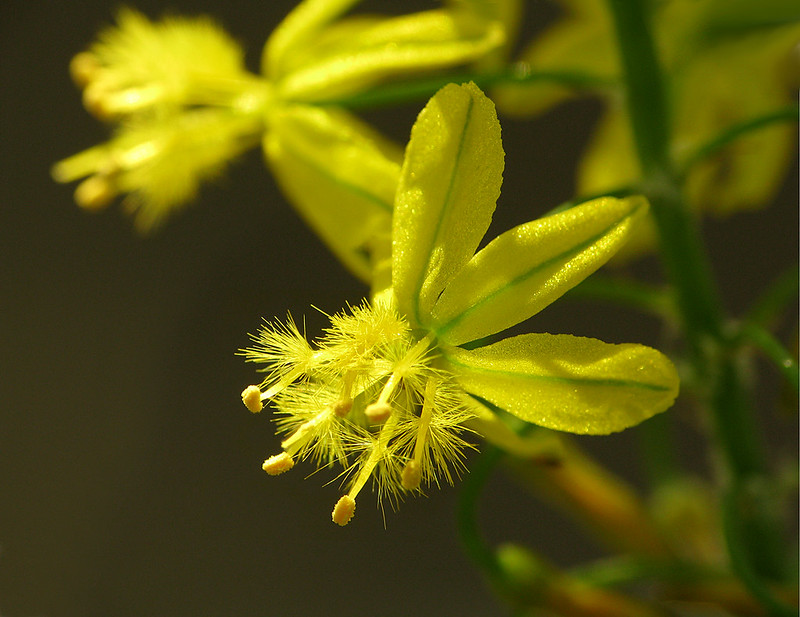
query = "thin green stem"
{"x": 774, "y": 301}
{"x": 626, "y": 292}
{"x": 621, "y": 570}
{"x": 740, "y": 560}
{"x": 472, "y": 539}
{"x": 774, "y": 351}
{"x": 421, "y": 89}
{"x": 688, "y": 269}
{"x": 734, "y": 132}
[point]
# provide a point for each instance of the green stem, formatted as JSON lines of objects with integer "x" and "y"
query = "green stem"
{"x": 471, "y": 537}
{"x": 626, "y": 292}
{"x": 775, "y": 351}
{"x": 688, "y": 269}
{"x": 518, "y": 73}
{"x": 774, "y": 301}
{"x": 734, "y": 132}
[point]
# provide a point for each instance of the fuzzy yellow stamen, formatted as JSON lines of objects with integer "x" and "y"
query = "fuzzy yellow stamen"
{"x": 251, "y": 397}
{"x": 412, "y": 474}
{"x": 376, "y": 453}
{"x": 343, "y": 406}
{"x": 378, "y": 412}
{"x": 278, "y": 463}
{"x": 343, "y": 510}
{"x": 306, "y": 433}
{"x": 283, "y": 383}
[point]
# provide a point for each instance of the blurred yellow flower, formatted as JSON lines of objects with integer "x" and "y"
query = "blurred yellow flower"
{"x": 185, "y": 105}
{"x": 386, "y": 390}
{"x": 727, "y": 62}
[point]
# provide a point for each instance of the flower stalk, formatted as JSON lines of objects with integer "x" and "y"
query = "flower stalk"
{"x": 687, "y": 267}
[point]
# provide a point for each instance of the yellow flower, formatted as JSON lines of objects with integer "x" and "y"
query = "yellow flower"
{"x": 186, "y": 106}
{"x": 386, "y": 391}
{"x": 727, "y": 62}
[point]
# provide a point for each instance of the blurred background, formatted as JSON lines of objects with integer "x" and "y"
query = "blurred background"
{"x": 130, "y": 478}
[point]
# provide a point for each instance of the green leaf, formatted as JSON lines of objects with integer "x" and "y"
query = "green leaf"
{"x": 528, "y": 267}
{"x": 568, "y": 383}
{"x": 340, "y": 175}
{"x": 448, "y": 187}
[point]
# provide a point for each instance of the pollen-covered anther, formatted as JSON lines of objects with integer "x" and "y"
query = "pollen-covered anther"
{"x": 83, "y": 68}
{"x": 95, "y": 193}
{"x": 378, "y": 412}
{"x": 412, "y": 476}
{"x": 278, "y": 463}
{"x": 342, "y": 407}
{"x": 251, "y": 397}
{"x": 343, "y": 510}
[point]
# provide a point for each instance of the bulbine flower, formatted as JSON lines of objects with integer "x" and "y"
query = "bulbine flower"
{"x": 185, "y": 106}
{"x": 386, "y": 391}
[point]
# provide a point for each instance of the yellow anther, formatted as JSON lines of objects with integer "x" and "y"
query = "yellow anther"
{"x": 342, "y": 407}
{"x": 94, "y": 193}
{"x": 251, "y": 397}
{"x": 343, "y": 510}
{"x": 278, "y": 463}
{"x": 378, "y": 412}
{"x": 412, "y": 475}
{"x": 83, "y": 68}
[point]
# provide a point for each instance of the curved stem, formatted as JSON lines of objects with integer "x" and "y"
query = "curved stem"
{"x": 780, "y": 293}
{"x": 775, "y": 351}
{"x": 471, "y": 537}
{"x": 625, "y": 292}
{"x": 734, "y": 132}
{"x": 421, "y": 89}
{"x": 688, "y": 269}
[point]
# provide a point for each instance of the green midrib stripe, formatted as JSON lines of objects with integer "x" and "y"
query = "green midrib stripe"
{"x": 446, "y": 206}
{"x": 611, "y": 383}
{"x": 353, "y": 188}
{"x": 533, "y": 271}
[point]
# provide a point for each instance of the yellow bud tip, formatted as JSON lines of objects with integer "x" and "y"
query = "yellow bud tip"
{"x": 83, "y": 68}
{"x": 378, "y": 412}
{"x": 342, "y": 408}
{"x": 412, "y": 476}
{"x": 94, "y": 193}
{"x": 278, "y": 463}
{"x": 343, "y": 510}
{"x": 95, "y": 100}
{"x": 251, "y": 397}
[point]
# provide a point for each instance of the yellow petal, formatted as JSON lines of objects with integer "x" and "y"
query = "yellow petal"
{"x": 340, "y": 175}
{"x": 448, "y": 187}
{"x": 581, "y": 43}
{"x": 568, "y": 383}
{"x": 298, "y": 30}
{"x": 525, "y": 269}
{"x": 609, "y": 160}
{"x": 379, "y": 49}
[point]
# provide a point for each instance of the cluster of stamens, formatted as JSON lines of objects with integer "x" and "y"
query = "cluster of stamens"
{"x": 185, "y": 106}
{"x": 367, "y": 396}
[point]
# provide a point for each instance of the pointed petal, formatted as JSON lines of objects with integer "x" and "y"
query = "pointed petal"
{"x": 355, "y": 53}
{"x": 340, "y": 175}
{"x": 448, "y": 187}
{"x": 568, "y": 383}
{"x": 296, "y": 30}
{"x": 528, "y": 267}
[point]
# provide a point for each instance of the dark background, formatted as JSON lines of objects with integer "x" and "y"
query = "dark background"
{"x": 130, "y": 480}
